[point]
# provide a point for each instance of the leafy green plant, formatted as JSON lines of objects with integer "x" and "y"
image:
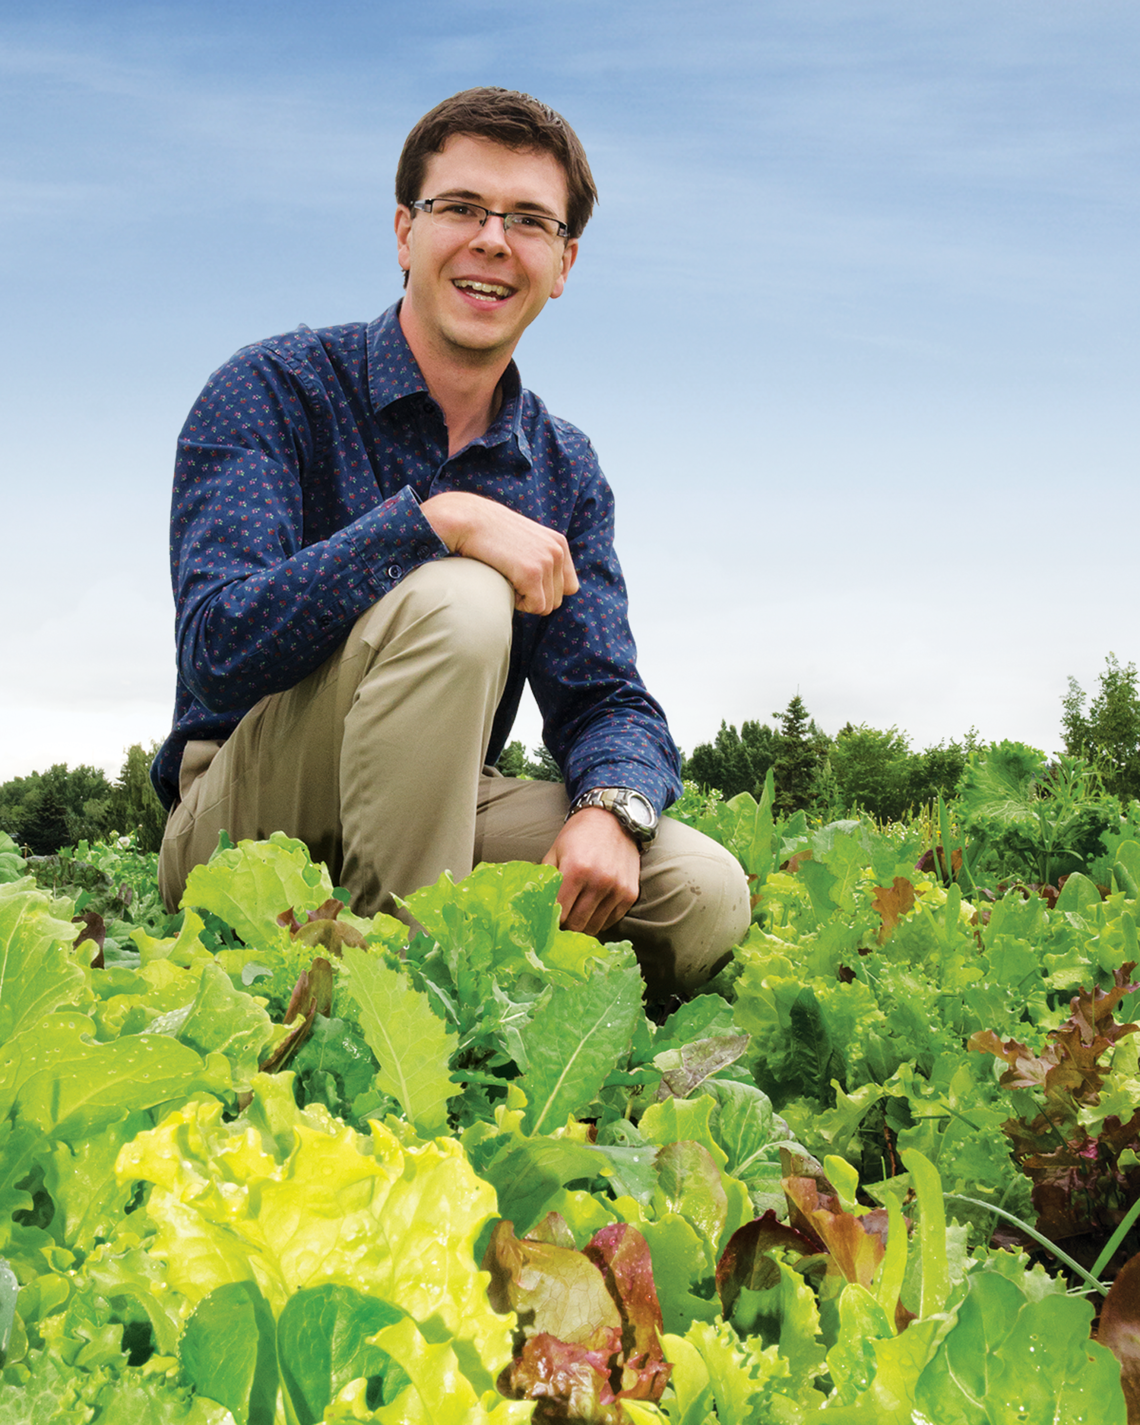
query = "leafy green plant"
{"x": 183, "y": 1232}
{"x": 1081, "y": 1158}
{"x": 1034, "y": 818}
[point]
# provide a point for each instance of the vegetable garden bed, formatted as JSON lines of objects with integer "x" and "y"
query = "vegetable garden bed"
{"x": 266, "y": 1161}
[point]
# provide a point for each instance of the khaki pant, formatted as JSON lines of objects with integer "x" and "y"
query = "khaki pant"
{"x": 376, "y": 762}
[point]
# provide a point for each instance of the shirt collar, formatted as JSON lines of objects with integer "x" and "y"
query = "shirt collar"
{"x": 393, "y": 373}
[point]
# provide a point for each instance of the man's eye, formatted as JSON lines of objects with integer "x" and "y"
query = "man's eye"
{"x": 456, "y": 210}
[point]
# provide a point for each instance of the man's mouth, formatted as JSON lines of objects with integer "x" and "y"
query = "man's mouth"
{"x": 483, "y": 291}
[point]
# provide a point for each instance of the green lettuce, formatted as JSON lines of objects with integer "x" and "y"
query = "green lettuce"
{"x": 293, "y": 1199}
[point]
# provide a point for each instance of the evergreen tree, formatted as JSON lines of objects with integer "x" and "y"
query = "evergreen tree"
{"x": 800, "y": 751}
{"x": 47, "y": 810}
{"x": 735, "y": 762}
{"x": 541, "y": 767}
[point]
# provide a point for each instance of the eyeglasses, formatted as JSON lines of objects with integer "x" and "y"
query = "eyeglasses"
{"x": 466, "y": 217}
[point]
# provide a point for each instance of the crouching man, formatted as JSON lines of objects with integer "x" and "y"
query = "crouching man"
{"x": 378, "y": 536}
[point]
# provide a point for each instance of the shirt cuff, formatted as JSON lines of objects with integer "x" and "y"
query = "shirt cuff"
{"x": 392, "y": 540}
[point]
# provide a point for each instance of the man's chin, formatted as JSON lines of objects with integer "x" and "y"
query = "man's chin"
{"x": 478, "y": 347}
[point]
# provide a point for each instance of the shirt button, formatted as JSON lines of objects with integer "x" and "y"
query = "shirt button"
{"x": 394, "y": 571}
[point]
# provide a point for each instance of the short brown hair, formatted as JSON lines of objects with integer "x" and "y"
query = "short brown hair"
{"x": 512, "y": 119}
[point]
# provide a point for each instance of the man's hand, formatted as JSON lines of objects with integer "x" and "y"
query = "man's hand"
{"x": 601, "y": 870}
{"x": 535, "y": 560}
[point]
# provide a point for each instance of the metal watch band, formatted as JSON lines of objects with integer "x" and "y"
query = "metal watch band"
{"x": 641, "y": 825}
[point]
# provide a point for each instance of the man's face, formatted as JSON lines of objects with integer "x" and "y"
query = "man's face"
{"x": 471, "y": 296}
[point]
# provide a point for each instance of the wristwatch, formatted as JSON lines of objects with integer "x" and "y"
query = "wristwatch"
{"x": 634, "y": 811}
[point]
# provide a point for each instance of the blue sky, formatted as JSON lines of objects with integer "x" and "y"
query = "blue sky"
{"x": 854, "y": 327}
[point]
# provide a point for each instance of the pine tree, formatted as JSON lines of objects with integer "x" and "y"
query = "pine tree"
{"x": 735, "y": 762}
{"x": 800, "y": 750}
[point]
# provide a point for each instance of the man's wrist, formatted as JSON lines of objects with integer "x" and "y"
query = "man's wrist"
{"x": 633, "y": 810}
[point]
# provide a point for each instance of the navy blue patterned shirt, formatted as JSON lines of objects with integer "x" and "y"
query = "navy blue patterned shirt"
{"x": 296, "y": 507}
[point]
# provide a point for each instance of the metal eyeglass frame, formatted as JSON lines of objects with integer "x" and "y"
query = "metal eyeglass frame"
{"x": 510, "y": 220}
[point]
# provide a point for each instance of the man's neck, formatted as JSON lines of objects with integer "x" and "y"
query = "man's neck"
{"x": 465, "y": 385}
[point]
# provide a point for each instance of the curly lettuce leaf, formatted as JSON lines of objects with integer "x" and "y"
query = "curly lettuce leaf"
{"x": 38, "y": 972}
{"x": 292, "y": 1198}
{"x": 493, "y": 924}
{"x": 440, "y": 1391}
{"x": 12, "y": 864}
{"x": 254, "y": 882}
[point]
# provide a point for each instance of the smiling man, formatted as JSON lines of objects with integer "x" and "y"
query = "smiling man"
{"x": 378, "y": 536}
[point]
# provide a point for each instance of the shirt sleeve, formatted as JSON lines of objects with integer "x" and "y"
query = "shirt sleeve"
{"x": 599, "y": 720}
{"x": 266, "y": 584}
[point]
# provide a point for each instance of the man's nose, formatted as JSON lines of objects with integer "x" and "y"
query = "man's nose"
{"x": 492, "y": 236}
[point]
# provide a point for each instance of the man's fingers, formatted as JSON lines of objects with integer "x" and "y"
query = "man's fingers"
{"x": 541, "y": 586}
{"x": 535, "y": 560}
{"x": 587, "y": 906}
{"x": 601, "y": 871}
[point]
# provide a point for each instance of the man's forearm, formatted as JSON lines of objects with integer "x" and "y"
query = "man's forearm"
{"x": 250, "y": 624}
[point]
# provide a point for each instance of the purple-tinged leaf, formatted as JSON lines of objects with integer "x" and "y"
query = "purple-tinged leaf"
{"x": 621, "y": 1254}
{"x": 554, "y": 1290}
{"x": 747, "y": 1261}
{"x": 93, "y": 930}
{"x": 321, "y": 927}
{"x": 312, "y": 995}
{"x": 568, "y": 1381}
{"x": 1119, "y": 1330}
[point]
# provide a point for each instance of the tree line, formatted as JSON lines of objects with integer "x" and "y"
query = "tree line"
{"x": 63, "y": 806}
{"x": 867, "y": 769}
{"x": 860, "y": 769}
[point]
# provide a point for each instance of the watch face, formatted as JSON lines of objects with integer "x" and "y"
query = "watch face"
{"x": 639, "y": 810}
{"x": 632, "y": 809}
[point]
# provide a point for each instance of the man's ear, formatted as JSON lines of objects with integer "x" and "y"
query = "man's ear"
{"x": 403, "y": 226}
{"x": 569, "y": 257}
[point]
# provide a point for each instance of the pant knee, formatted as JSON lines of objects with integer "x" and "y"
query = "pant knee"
{"x": 691, "y": 916}
{"x": 718, "y": 918}
{"x": 462, "y": 605}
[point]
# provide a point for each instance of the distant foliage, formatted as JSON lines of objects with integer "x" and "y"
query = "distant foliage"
{"x": 62, "y": 806}
{"x": 135, "y": 806}
{"x": 47, "y": 810}
{"x": 540, "y": 767}
{"x": 735, "y": 762}
{"x": 877, "y": 772}
{"x": 861, "y": 769}
{"x": 1108, "y": 734}
{"x": 872, "y": 770}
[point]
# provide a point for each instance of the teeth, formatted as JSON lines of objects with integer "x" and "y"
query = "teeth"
{"x": 490, "y": 288}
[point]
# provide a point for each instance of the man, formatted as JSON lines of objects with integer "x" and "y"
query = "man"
{"x": 378, "y": 536}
